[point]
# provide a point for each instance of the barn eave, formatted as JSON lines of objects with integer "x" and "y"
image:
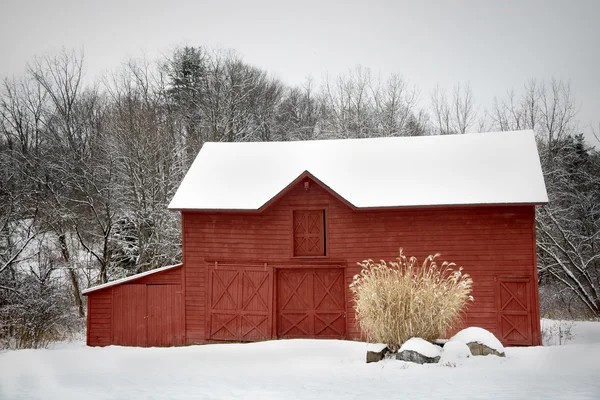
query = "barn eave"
{"x": 129, "y": 278}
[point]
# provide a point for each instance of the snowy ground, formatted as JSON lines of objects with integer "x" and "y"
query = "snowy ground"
{"x": 307, "y": 369}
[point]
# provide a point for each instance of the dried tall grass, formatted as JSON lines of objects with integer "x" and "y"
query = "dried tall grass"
{"x": 397, "y": 300}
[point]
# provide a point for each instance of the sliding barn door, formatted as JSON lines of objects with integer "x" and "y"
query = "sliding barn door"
{"x": 240, "y": 305}
{"x": 311, "y": 303}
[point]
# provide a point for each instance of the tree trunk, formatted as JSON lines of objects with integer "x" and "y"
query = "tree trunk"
{"x": 72, "y": 275}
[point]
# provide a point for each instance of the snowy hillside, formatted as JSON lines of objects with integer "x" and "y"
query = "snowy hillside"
{"x": 297, "y": 369}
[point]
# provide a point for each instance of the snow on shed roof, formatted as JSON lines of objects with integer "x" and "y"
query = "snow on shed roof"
{"x": 481, "y": 168}
{"x": 129, "y": 278}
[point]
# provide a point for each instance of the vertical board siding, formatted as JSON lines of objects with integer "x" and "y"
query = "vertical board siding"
{"x": 129, "y": 315}
{"x": 99, "y": 326}
{"x": 165, "y": 315}
{"x": 487, "y": 241}
{"x": 118, "y": 314}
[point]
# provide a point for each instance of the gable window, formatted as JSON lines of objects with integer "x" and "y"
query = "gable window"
{"x": 309, "y": 233}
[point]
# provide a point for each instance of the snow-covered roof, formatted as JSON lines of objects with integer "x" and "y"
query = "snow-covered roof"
{"x": 129, "y": 278}
{"x": 480, "y": 168}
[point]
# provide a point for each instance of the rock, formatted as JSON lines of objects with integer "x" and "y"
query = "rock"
{"x": 413, "y": 356}
{"x": 419, "y": 351}
{"x": 480, "y": 341}
{"x": 479, "y": 349}
{"x": 376, "y": 353}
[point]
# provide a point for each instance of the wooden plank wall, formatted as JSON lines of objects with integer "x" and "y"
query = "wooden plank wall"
{"x": 129, "y": 315}
{"x": 99, "y": 322}
{"x": 487, "y": 241}
{"x": 103, "y": 308}
{"x": 165, "y": 315}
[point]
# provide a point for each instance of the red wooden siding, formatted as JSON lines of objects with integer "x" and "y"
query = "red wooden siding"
{"x": 129, "y": 315}
{"x": 99, "y": 322}
{"x": 488, "y": 241}
{"x": 143, "y": 312}
{"x": 164, "y": 315}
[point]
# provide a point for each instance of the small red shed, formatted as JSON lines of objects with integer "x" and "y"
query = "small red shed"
{"x": 273, "y": 231}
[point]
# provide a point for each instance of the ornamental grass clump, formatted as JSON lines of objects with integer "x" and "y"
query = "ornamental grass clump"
{"x": 398, "y": 300}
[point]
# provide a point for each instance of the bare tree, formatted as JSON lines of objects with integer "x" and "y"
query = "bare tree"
{"x": 69, "y": 110}
{"x": 454, "y": 116}
{"x": 569, "y": 226}
{"x": 299, "y": 113}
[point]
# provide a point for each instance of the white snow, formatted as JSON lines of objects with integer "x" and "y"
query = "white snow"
{"x": 479, "y": 335}
{"x": 581, "y": 332}
{"x": 482, "y": 168}
{"x": 421, "y": 346}
{"x": 295, "y": 369}
{"x": 130, "y": 278}
{"x": 454, "y": 352}
{"x": 376, "y": 347}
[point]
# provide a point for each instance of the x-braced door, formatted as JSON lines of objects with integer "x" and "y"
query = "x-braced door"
{"x": 240, "y": 303}
{"x": 311, "y": 303}
{"x": 514, "y": 310}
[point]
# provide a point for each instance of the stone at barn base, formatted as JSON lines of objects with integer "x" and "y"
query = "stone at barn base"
{"x": 478, "y": 349}
{"x": 413, "y": 356}
{"x": 376, "y": 355}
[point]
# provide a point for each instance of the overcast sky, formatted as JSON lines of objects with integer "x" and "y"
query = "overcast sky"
{"x": 494, "y": 45}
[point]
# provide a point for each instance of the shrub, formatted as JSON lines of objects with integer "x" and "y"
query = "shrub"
{"x": 397, "y": 301}
{"x": 36, "y": 311}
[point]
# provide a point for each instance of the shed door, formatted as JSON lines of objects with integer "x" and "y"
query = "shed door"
{"x": 240, "y": 303}
{"x": 129, "y": 315}
{"x": 165, "y": 315}
{"x": 311, "y": 303}
{"x": 147, "y": 315}
{"x": 514, "y": 310}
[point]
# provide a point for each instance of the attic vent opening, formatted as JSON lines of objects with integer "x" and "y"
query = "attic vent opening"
{"x": 309, "y": 233}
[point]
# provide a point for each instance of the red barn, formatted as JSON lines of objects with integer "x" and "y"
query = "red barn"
{"x": 272, "y": 233}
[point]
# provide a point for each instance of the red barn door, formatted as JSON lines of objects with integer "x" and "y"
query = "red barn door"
{"x": 240, "y": 303}
{"x": 310, "y": 303}
{"x": 129, "y": 315}
{"x": 165, "y": 315}
{"x": 147, "y": 315}
{"x": 514, "y": 310}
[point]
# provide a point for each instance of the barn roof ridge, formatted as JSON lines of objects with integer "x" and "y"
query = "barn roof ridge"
{"x": 394, "y": 172}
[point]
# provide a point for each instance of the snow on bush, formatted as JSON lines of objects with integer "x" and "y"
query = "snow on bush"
{"x": 479, "y": 335}
{"x": 399, "y": 300}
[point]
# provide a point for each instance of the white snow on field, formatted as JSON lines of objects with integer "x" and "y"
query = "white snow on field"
{"x": 297, "y": 369}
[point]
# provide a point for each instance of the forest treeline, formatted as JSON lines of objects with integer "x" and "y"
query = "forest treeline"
{"x": 87, "y": 169}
